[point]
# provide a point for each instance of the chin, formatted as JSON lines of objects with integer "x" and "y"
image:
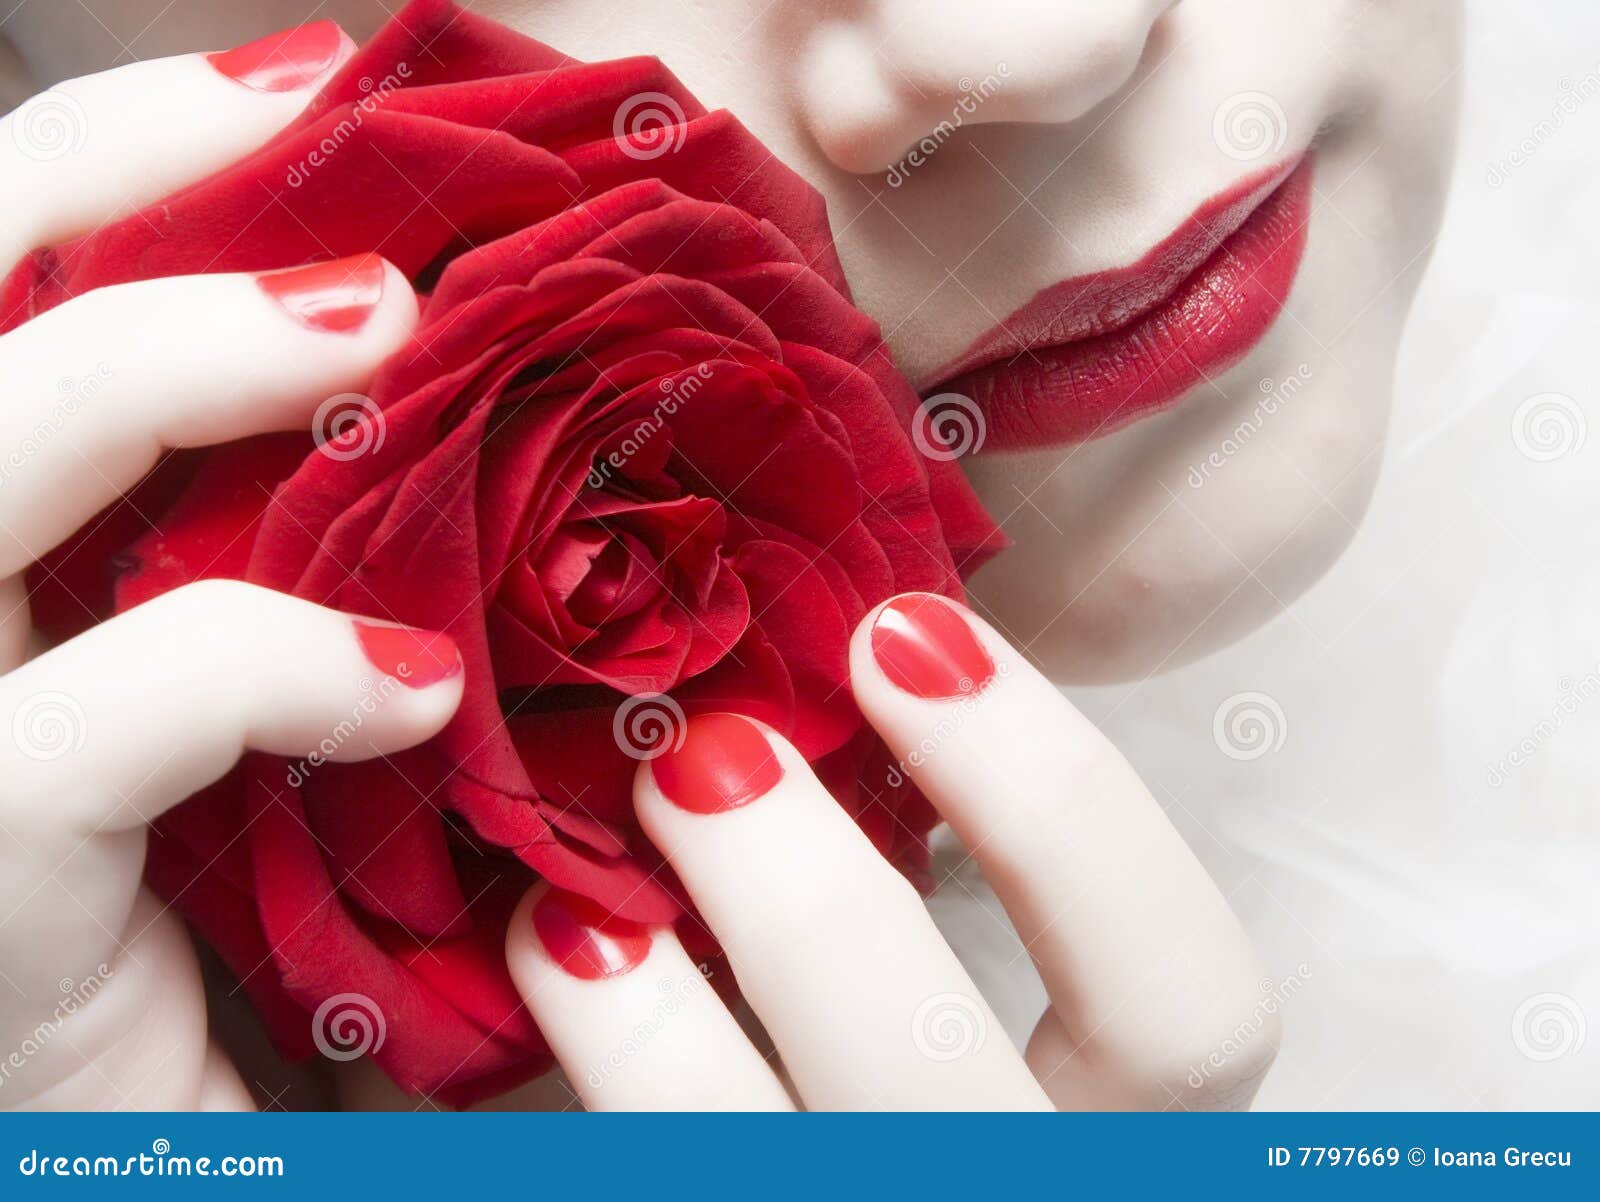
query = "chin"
{"x": 1136, "y": 618}
{"x": 1086, "y": 621}
{"x": 1129, "y": 562}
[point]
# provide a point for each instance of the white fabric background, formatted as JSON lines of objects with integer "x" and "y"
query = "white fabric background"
{"x": 1432, "y": 902}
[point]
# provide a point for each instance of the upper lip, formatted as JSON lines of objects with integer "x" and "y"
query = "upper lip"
{"x": 1087, "y": 306}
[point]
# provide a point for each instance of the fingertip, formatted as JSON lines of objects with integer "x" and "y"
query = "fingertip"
{"x": 524, "y": 954}
{"x": 363, "y": 296}
{"x": 923, "y": 647}
{"x": 413, "y": 678}
{"x": 718, "y": 762}
{"x": 415, "y": 657}
{"x": 301, "y": 58}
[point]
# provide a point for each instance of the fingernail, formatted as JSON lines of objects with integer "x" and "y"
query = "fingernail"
{"x": 416, "y": 658}
{"x": 333, "y": 298}
{"x": 285, "y": 61}
{"x": 925, "y": 647}
{"x": 722, "y": 763}
{"x": 586, "y": 940}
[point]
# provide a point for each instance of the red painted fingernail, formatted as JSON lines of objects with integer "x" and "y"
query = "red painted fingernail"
{"x": 284, "y": 61}
{"x": 587, "y": 940}
{"x": 722, "y": 763}
{"x": 417, "y": 658}
{"x": 925, "y": 647}
{"x": 333, "y": 298}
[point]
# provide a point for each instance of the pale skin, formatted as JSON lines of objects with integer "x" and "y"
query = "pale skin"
{"x": 1102, "y": 124}
{"x": 1147, "y": 971}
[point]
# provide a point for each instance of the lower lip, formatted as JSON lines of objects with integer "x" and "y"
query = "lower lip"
{"x": 1110, "y": 370}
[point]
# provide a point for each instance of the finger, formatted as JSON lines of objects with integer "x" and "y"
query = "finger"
{"x": 98, "y": 388}
{"x": 833, "y": 949}
{"x": 631, "y": 1018}
{"x": 1147, "y": 968}
{"x": 102, "y": 734}
{"x": 90, "y": 149}
{"x": 131, "y": 717}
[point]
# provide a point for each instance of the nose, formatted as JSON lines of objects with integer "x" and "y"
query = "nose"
{"x": 893, "y": 73}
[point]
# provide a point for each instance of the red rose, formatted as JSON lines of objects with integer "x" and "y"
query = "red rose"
{"x": 641, "y": 446}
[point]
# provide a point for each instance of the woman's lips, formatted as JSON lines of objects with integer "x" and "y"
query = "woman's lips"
{"x": 1091, "y": 354}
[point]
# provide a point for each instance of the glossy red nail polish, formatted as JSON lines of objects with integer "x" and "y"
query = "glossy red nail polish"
{"x": 925, "y": 647}
{"x": 284, "y": 61}
{"x": 724, "y": 762}
{"x": 332, "y": 298}
{"x": 586, "y": 940}
{"x": 417, "y": 658}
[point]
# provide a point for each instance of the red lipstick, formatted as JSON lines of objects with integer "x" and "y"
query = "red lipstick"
{"x": 1089, "y": 355}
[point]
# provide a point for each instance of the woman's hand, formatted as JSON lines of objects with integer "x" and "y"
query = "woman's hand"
{"x": 1154, "y": 994}
{"x": 100, "y": 1000}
